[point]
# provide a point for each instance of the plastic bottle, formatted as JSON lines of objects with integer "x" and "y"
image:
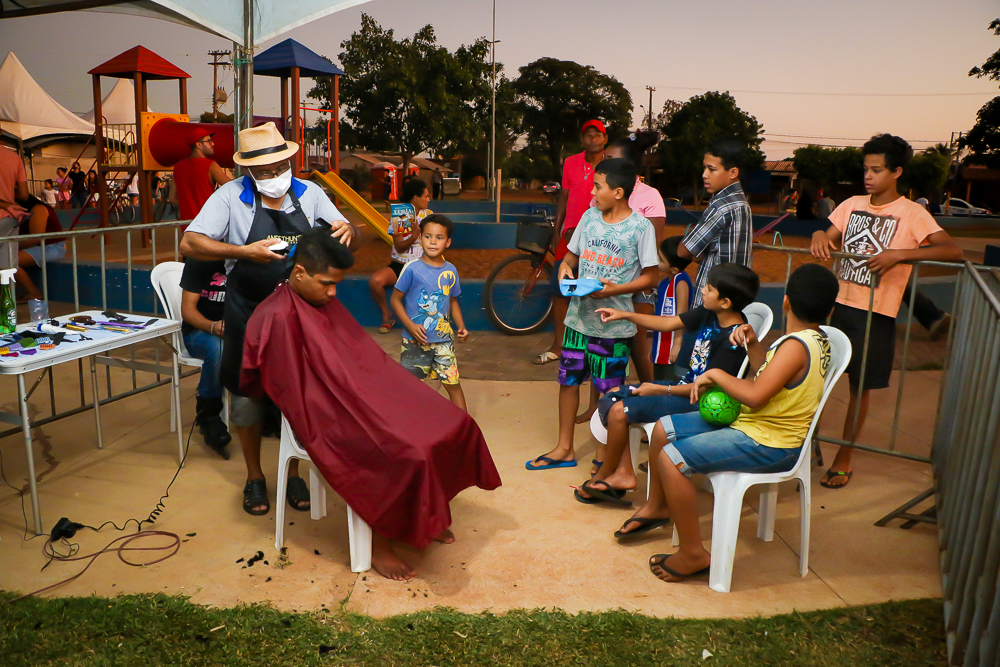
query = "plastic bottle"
{"x": 8, "y": 305}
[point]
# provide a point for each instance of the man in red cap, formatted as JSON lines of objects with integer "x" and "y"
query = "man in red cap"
{"x": 574, "y": 200}
{"x": 197, "y": 175}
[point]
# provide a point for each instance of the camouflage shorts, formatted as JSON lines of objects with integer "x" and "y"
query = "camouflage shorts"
{"x": 434, "y": 360}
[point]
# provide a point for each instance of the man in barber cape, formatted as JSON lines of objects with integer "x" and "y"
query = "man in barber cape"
{"x": 252, "y": 223}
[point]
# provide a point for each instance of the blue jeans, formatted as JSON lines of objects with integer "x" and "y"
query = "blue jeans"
{"x": 208, "y": 348}
{"x": 695, "y": 446}
{"x": 644, "y": 409}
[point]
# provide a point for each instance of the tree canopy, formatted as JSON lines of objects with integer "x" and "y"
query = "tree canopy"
{"x": 702, "y": 120}
{"x": 412, "y": 95}
{"x": 827, "y": 166}
{"x": 984, "y": 137}
{"x": 554, "y": 98}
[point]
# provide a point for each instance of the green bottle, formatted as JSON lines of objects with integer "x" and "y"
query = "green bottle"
{"x": 8, "y": 306}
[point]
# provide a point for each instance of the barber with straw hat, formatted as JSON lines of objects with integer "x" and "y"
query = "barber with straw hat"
{"x": 239, "y": 223}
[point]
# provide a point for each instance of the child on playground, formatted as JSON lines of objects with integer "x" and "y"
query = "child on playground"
{"x": 423, "y": 301}
{"x": 730, "y": 288}
{"x": 50, "y": 195}
{"x": 405, "y": 232}
{"x": 614, "y": 244}
{"x": 65, "y": 185}
{"x": 892, "y": 229}
{"x": 778, "y": 407}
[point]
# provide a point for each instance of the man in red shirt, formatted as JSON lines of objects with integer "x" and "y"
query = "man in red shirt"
{"x": 197, "y": 175}
{"x": 13, "y": 187}
{"x": 574, "y": 200}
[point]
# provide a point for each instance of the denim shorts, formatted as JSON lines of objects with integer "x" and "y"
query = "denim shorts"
{"x": 644, "y": 409}
{"x": 695, "y": 446}
{"x": 53, "y": 252}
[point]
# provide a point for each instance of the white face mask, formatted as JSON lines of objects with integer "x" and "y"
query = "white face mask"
{"x": 274, "y": 187}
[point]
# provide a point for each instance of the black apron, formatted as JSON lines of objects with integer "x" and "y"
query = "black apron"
{"x": 249, "y": 283}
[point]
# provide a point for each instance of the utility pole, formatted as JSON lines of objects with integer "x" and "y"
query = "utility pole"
{"x": 649, "y": 121}
{"x": 215, "y": 79}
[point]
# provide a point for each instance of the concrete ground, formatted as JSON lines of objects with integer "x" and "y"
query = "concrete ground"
{"x": 529, "y": 544}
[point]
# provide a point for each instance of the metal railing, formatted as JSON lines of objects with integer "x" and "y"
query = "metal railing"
{"x": 966, "y": 457}
{"x": 72, "y": 239}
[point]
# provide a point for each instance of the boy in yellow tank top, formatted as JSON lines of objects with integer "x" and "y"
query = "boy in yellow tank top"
{"x": 778, "y": 406}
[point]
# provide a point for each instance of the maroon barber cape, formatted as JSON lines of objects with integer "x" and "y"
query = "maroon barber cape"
{"x": 393, "y": 448}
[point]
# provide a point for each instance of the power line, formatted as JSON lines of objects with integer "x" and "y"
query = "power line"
{"x": 829, "y": 94}
{"x": 811, "y": 136}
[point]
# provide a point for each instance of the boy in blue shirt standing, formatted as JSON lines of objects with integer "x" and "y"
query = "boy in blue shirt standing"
{"x": 614, "y": 244}
{"x": 422, "y": 301}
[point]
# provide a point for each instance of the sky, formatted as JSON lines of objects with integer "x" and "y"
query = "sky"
{"x": 810, "y": 71}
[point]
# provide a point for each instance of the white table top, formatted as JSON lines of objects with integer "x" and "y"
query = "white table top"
{"x": 73, "y": 348}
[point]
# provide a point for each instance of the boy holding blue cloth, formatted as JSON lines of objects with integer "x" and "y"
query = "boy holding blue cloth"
{"x": 617, "y": 246}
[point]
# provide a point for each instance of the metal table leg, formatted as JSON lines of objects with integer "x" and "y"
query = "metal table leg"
{"x": 22, "y": 399}
{"x": 175, "y": 392}
{"x": 97, "y": 401}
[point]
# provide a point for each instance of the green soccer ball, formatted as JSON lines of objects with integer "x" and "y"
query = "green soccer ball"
{"x": 717, "y": 408}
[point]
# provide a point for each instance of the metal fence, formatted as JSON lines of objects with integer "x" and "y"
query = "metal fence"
{"x": 158, "y": 234}
{"x": 966, "y": 458}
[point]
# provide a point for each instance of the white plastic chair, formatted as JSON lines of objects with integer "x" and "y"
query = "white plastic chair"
{"x": 730, "y": 487}
{"x": 166, "y": 279}
{"x": 359, "y": 534}
{"x": 759, "y": 316}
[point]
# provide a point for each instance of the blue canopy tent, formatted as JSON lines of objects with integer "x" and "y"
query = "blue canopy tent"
{"x": 289, "y": 60}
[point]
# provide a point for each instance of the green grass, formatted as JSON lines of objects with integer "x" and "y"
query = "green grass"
{"x": 161, "y": 630}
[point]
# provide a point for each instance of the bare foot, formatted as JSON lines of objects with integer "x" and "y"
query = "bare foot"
{"x": 585, "y": 416}
{"x": 387, "y": 562}
{"x": 679, "y": 566}
{"x": 446, "y": 537}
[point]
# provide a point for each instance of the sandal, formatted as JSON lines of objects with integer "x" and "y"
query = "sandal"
{"x": 598, "y": 465}
{"x": 386, "y": 326}
{"x": 831, "y": 474}
{"x": 593, "y": 500}
{"x": 297, "y": 493}
{"x": 254, "y": 495}
{"x": 645, "y": 525}
{"x": 659, "y": 560}
{"x": 608, "y": 494}
{"x": 644, "y": 467}
{"x": 545, "y": 358}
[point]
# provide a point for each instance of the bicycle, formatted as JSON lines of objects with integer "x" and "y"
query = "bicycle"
{"x": 518, "y": 293}
{"x": 120, "y": 209}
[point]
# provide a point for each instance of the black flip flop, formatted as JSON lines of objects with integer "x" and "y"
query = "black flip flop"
{"x": 592, "y": 501}
{"x": 830, "y": 474}
{"x": 608, "y": 494}
{"x": 645, "y": 525}
{"x": 296, "y": 493}
{"x": 661, "y": 563}
{"x": 254, "y": 494}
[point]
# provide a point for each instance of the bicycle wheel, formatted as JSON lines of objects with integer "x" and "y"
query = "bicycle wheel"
{"x": 127, "y": 214}
{"x": 114, "y": 216}
{"x": 517, "y": 295}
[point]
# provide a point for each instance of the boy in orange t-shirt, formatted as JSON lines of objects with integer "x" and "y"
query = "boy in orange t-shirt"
{"x": 892, "y": 229}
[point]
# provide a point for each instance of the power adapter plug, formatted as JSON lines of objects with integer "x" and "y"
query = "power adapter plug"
{"x": 64, "y": 528}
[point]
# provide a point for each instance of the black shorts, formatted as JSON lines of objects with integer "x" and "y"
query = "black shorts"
{"x": 231, "y": 364}
{"x": 881, "y": 344}
{"x": 397, "y": 267}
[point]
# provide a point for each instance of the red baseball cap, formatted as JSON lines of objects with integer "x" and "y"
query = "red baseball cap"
{"x": 196, "y": 134}
{"x": 596, "y": 124}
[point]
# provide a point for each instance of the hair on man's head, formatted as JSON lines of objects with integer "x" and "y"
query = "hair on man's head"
{"x": 812, "y": 290}
{"x": 439, "y": 219}
{"x": 895, "y": 149}
{"x": 619, "y": 172}
{"x": 318, "y": 252}
{"x": 731, "y": 152}
{"x": 635, "y": 144}
{"x": 413, "y": 187}
{"x": 735, "y": 282}
{"x": 668, "y": 248}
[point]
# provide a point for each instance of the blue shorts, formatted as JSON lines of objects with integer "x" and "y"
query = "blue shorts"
{"x": 53, "y": 252}
{"x": 644, "y": 409}
{"x": 695, "y": 446}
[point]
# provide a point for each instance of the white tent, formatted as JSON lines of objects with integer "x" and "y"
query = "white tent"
{"x": 221, "y": 17}
{"x": 118, "y": 107}
{"x": 27, "y": 111}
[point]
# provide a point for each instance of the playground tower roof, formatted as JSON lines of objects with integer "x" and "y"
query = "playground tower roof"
{"x": 283, "y": 56}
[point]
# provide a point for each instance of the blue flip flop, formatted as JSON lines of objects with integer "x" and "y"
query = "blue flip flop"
{"x": 552, "y": 463}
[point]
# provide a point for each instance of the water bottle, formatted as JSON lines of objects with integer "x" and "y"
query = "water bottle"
{"x": 8, "y": 305}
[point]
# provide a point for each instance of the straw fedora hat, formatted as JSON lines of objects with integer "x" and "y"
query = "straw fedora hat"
{"x": 263, "y": 145}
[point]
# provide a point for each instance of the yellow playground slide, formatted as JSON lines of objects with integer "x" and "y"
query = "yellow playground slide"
{"x": 333, "y": 183}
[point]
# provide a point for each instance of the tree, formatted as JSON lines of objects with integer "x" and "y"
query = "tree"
{"x": 826, "y": 166}
{"x": 984, "y": 137}
{"x": 410, "y": 95}
{"x": 991, "y": 68}
{"x": 554, "y": 98}
{"x": 926, "y": 173}
{"x": 702, "y": 120}
{"x": 670, "y": 107}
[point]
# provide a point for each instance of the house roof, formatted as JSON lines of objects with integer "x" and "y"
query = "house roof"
{"x": 780, "y": 167}
{"x": 140, "y": 59}
{"x": 283, "y": 56}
